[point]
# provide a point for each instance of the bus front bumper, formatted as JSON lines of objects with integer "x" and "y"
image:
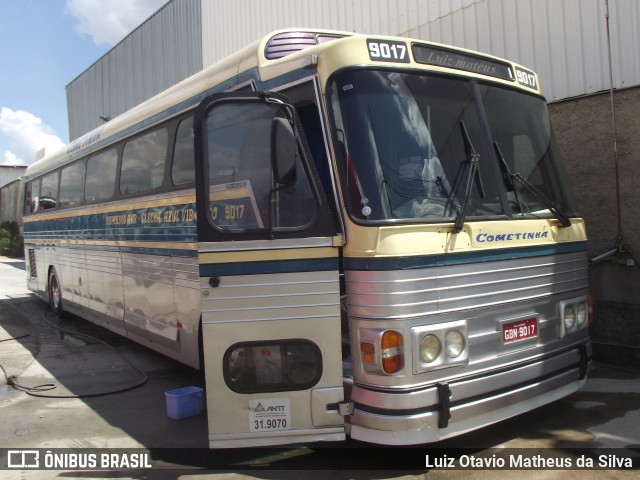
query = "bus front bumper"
{"x": 426, "y": 416}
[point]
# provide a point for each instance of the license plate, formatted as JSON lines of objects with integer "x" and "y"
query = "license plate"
{"x": 519, "y": 330}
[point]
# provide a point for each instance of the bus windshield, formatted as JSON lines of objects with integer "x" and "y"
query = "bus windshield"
{"x": 425, "y": 147}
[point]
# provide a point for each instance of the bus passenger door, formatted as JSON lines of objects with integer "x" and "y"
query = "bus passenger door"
{"x": 269, "y": 277}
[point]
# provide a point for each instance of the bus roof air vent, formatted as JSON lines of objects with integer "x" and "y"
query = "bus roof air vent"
{"x": 286, "y": 43}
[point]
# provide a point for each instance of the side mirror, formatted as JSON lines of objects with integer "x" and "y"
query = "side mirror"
{"x": 283, "y": 150}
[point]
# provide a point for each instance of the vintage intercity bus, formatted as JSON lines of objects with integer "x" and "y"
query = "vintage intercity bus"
{"x": 351, "y": 235}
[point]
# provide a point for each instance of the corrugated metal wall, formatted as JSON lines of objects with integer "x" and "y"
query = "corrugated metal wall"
{"x": 10, "y": 173}
{"x": 162, "y": 51}
{"x": 563, "y": 40}
{"x": 230, "y": 24}
{"x": 11, "y": 195}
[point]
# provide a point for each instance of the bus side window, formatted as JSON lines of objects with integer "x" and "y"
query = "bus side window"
{"x": 71, "y": 180}
{"x": 49, "y": 192}
{"x": 101, "y": 176}
{"x": 242, "y": 189}
{"x": 243, "y": 166}
{"x": 310, "y": 119}
{"x": 143, "y": 161}
{"x": 32, "y": 195}
{"x": 182, "y": 169}
{"x": 294, "y": 203}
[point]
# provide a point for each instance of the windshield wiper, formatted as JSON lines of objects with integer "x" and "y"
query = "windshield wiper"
{"x": 507, "y": 176}
{"x": 510, "y": 177}
{"x": 474, "y": 174}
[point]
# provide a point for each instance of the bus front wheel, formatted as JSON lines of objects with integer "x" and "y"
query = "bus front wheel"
{"x": 55, "y": 293}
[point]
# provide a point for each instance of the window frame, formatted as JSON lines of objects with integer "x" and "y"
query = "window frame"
{"x": 52, "y": 173}
{"x": 114, "y": 192}
{"x": 68, "y": 167}
{"x": 32, "y": 207}
{"x": 134, "y": 138}
{"x": 272, "y": 387}
{"x": 173, "y": 145}
{"x": 321, "y": 225}
{"x": 489, "y": 160}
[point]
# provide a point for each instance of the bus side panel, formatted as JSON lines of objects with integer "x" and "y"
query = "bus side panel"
{"x": 149, "y": 298}
{"x": 161, "y": 304}
{"x": 70, "y": 266}
{"x": 104, "y": 275}
{"x": 187, "y": 303}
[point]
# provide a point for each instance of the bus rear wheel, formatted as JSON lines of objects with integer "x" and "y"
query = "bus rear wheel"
{"x": 55, "y": 293}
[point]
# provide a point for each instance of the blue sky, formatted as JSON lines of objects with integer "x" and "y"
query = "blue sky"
{"x": 44, "y": 45}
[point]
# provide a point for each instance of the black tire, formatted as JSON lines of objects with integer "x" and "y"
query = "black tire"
{"x": 55, "y": 293}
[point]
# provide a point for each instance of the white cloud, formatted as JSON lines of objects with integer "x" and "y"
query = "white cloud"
{"x": 10, "y": 159}
{"x": 28, "y": 135}
{"x": 109, "y": 21}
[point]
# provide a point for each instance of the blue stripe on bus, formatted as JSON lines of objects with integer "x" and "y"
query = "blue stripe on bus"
{"x": 154, "y": 224}
{"x": 414, "y": 262}
{"x": 165, "y": 252}
{"x": 265, "y": 267}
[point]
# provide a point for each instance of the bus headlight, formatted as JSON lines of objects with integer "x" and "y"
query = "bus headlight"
{"x": 582, "y": 313}
{"x": 569, "y": 317}
{"x": 455, "y": 343}
{"x": 440, "y": 345}
{"x": 574, "y": 315}
{"x": 429, "y": 348}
